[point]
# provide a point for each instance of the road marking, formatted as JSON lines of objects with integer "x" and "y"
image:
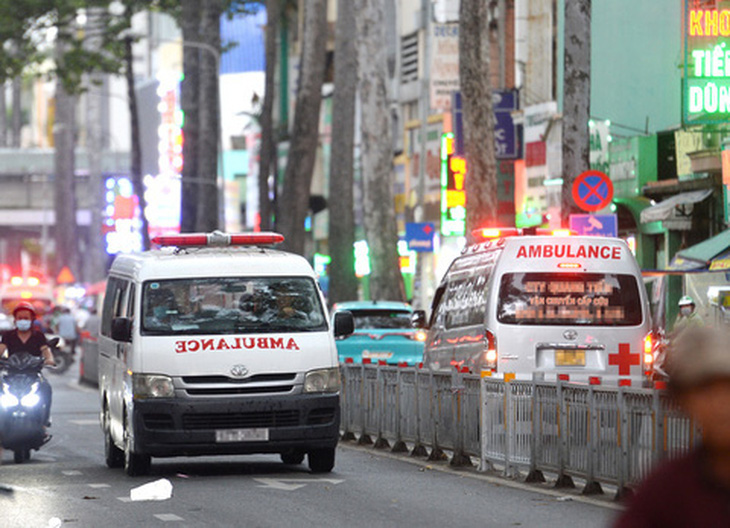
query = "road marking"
{"x": 85, "y": 422}
{"x": 168, "y": 517}
{"x": 124, "y": 499}
{"x": 99, "y": 486}
{"x": 286, "y": 484}
{"x": 71, "y": 473}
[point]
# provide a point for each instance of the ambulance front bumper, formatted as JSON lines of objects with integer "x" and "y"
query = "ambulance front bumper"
{"x": 171, "y": 427}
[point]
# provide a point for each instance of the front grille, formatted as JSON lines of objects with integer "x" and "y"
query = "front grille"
{"x": 158, "y": 421}
{"x": 321, "y": 416}
{"x": 257, "y": 378}
{"x": 232, "y": 391}
{"x": 241, "y": 420}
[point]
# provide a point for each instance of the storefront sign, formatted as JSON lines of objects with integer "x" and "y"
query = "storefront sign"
{"x": 706, "y": 88}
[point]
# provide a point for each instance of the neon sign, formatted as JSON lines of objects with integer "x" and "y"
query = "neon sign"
{"x": 706, "y": 84}
{"x": 453, "y": 195}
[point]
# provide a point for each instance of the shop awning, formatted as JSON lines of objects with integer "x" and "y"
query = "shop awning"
{"x": 712, "y": 254}
{"x": 665, "y": 209}
{"x": 635, "y": 205}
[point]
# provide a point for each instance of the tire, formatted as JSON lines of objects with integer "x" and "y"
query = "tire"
{"x": 292, "y": 458}
{"x": 63, "y": 363}
{"x": 113, "y": 456}
{"x": 321, "y": 460}
{"x": 135, "y": 464}
{"x": 21, "y": 455}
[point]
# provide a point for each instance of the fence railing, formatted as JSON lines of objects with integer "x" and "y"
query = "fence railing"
{"x": 599, "y": 434}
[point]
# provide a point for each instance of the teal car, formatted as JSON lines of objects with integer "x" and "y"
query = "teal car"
{"x": 383, "y": 332}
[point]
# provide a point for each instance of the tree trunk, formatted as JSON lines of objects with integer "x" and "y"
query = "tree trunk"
{"x": 342, "y": 280}
{"x": 97, "y": 257}
{"x": 476, "y": 93}
{"x": 294, "y": 201}
{"x": 267, "y": 150}
{"x": 207, "y": 218}
{"x": 189, "y": 105}
{"x": 576, "y": 100}
{"x": 66, "y": 230}
{"x": 3, "y": 117}
{"x": 17, "y": 120}
{"x": 386, "y": 281}
{"x": 135, "y": 167}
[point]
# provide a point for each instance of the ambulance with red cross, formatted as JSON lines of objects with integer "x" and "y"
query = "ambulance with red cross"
{"x": 526, "y": 304}
{"x": 216, "y": 344}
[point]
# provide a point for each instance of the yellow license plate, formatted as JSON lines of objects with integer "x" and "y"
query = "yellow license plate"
{"x": 570, "y": 358}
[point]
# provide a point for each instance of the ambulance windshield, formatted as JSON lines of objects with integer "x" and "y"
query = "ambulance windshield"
{"x": 588, "y": 299}
{"x": 231, "y": 305}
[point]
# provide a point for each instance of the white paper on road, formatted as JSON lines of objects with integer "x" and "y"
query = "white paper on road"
{"x": 54, "y": 522}
{"x": 152, "y": 491}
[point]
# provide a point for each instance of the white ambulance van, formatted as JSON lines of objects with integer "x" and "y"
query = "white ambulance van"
{"x": 217, "y": 344}
{"x": 543, "y": 307}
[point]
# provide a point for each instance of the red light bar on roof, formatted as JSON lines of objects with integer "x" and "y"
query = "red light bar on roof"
{"x": 217, "y": 238}
{"x": 494, "y": 232}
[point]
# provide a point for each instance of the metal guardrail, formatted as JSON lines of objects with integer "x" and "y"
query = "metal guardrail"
{"x": 596, "y": 433}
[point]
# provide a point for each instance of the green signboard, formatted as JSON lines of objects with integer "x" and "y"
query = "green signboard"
{"x": 706, "y": 83}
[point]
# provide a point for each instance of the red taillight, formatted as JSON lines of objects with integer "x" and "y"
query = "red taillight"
{"x": 217, "y": 238}
{"x": 490, "y": 354}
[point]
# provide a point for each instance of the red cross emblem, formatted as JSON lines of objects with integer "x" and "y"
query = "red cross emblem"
{"x": 624, "y": 359}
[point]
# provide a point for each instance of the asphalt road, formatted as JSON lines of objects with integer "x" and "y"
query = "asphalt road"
{"x": 67, "y": 483}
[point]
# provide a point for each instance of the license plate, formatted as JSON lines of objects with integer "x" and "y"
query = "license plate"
{"x": 376, "y": 355}
{"x": 570, "y": 358}
{"x": 242, "y": 435}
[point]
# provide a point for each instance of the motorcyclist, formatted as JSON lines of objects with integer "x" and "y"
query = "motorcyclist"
{"x": 25, "y": 338}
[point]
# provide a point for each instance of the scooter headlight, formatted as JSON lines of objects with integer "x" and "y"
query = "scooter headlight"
{"x": 8, "y": 399}
{"x": 32, "y": 398}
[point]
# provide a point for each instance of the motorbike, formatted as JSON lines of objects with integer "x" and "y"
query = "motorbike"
{"x": 63, "y": 357}
{"x": 23, "y": 406}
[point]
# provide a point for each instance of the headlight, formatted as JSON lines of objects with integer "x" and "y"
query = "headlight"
{"x": 152, "y": 386}
{"x": 8, "y": 400}
{"x": 31, "y": 399}
{"x": 323, "y": 380}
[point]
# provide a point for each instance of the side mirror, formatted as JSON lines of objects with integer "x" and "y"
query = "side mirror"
{"x": 344, "y": 324}
{"x": 418, "y": 319}
{"x": 122, "y": 329}
{"x": 53, "y": 342}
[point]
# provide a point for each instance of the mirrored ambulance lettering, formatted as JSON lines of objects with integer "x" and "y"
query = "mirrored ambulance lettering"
{"x": 268, "y": 343}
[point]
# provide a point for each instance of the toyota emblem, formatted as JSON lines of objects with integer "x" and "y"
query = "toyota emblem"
{"x": 239, "y": 371}
{"x": 570, "y": 334}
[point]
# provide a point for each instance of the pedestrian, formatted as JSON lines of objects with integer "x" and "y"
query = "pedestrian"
{"x": 692, "y": 489}
{"x": 67, "y": 328}
{"x": 688, "y": 316}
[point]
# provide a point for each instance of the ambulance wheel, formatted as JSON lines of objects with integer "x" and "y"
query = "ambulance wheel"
{"x": 21, "y": 455}
{"x": 321, "y": 460}
{"x": 113, "y": 456}
{"x": 135, "y": 464}
{"x": 292, "y": 457}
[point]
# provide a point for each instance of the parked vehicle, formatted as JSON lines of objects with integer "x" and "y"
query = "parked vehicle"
{"x": 383, "y": 332}
{"x": 61, "y": 354}
{"x": 23, "y": 406}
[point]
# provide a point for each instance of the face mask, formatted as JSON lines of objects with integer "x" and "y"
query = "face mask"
{"x": 685, "y": 311}
{"x": 23, "y": 325}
